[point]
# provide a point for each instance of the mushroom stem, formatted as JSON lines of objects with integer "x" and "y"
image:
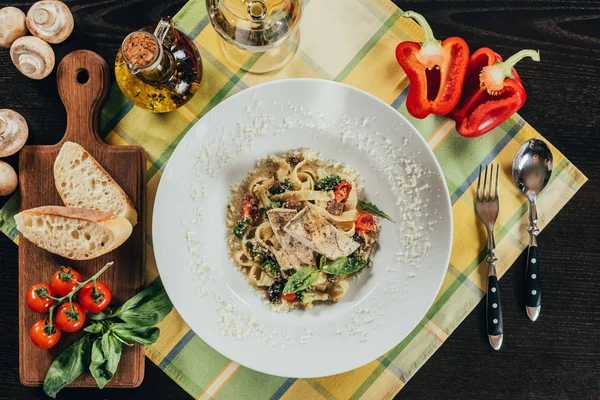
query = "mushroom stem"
{"x": 44, "y": 18}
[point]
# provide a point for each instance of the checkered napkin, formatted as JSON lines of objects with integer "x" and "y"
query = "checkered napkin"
{"x": 350, "y": 41}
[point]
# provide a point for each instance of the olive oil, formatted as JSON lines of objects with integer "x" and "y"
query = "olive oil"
{"x": 158, "y": 72}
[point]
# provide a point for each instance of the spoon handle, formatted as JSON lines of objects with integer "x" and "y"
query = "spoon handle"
{"x": 533, "y": 287}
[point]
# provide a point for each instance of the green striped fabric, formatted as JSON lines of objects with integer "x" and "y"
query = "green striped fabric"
{"x": 350, "y": 41}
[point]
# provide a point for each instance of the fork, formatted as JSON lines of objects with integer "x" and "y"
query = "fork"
{"x": 487, "y": 207}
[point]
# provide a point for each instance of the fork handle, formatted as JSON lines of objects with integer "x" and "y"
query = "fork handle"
{"x": 533, "y": 287}
{"x": 494, "y": 308}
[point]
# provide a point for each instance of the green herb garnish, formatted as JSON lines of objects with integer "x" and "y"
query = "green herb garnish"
{"x": 301, "y": 280}
{"x": 280, "y": 187}
{"x": 328, "y": 183}
{"x": 241, "y": 226}
{"x": 271, "y": 267}
{"x": 373, "y": 210}
{"x": 344, "y": 266}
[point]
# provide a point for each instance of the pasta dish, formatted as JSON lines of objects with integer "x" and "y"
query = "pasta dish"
{"x": 298, "y": 228}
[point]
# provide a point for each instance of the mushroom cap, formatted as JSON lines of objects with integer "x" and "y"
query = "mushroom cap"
{"x": 32, "y": 56}
{"x": 12, "y": 25}
{"x": 50, "y": 20}
{"x": 13, "y": 132}
{"x": 8, "y": 179}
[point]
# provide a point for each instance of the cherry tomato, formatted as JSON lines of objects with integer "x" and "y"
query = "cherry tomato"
{"x": 44, "y": 335}
{"x": 37, "y": 300}
{"x": 342, "y": 191}
{"x": 289, "y": 296}
{"x": 63, "y": 280}
{"x": 95, "y": 300}
{"x": 70, "y": 320}
{"x": 365, "y": 223}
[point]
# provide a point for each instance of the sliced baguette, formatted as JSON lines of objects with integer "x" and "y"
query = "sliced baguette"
{"x": 83, "y": 183}
{"x": 73, "y": 233}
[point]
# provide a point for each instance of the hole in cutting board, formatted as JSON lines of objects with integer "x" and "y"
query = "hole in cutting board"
{"x": 82, "y": 76}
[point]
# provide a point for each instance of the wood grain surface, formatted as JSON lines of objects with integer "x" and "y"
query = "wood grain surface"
{"x": 557, "y": 357}
{"x": 83, "y": 82}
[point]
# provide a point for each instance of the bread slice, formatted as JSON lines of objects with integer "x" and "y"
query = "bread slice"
{"x": 74, "y": 233}
{"x": 83, "y": 183}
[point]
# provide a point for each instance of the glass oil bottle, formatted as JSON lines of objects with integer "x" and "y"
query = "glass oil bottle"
{"x": 158, "y": 71}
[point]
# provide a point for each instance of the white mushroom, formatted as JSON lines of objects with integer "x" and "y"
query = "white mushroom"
{"x": 12, "y": 25}
{"x": 8, "y": 179}
{"x": 13, "y": 132}
{"x": 50, "y": 20}
{"x": 32, "y": 56}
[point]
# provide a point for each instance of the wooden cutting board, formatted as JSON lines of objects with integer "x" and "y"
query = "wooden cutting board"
{"x": 83, "y": 82}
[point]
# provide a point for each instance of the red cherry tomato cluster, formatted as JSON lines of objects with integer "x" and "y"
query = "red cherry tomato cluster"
{"x": 66, "y": 299}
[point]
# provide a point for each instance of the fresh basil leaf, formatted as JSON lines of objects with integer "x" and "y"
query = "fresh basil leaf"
{"x": 147, "y": 308}
{"x": 373, "y": 210}
{"x": 98, "y": 365}
{"x": 344, "y": 266}
{"x": 143, "y": 335}
{"x": 335, "y": 267}
{"x": 94, "y": 328}
{"x": 106, "y": 354}
{"x": 111, "y": 348}
{"x": 67, "y": 366}
{"x": 322, "y": 261}
{"x": 99, "y": 316}
{"x": 301, "y": 280}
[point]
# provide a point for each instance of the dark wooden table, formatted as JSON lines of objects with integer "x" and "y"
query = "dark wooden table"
{"x": 556, "y": 357}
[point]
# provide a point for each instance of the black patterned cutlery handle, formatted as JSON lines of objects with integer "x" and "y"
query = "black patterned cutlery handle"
{"x": 533, "y": 287}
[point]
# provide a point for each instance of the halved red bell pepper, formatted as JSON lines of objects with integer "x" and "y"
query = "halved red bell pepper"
{"x": 491, "y": 93}
{"x": 436, "y": 70}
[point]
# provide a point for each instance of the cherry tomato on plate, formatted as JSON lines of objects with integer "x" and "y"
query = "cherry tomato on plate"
{"x": 365, "y": 223}
{"x": 289, "y": 296}
{"x": 342, "y": 191}
{"x": 37, "y": 300}
{"x": 95, "y": 300}
{"x": 70, "y": 319}
{"x": 44, "y": 335}
{"x": 65, "y": 280}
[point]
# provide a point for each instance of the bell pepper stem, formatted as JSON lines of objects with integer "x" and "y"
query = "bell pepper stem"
{"x": 508, "y": 65}
{"x": 429, "y": 38}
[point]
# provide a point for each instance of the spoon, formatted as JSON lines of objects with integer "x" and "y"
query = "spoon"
{"x": 531, "y": 172}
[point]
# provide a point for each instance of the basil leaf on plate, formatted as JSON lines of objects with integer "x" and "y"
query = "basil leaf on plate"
{"x": 67, "y": 366}
{"x": 322, "y": 261}
{"x": 373, "y": 210}
{"x": 143, "y": 335}
{"x": 301, "y": 280}
{"x": 147, "y": 308}
{"x": 344, "y": 266}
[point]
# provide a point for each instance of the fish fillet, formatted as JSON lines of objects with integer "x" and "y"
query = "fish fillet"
{"x": 318, "y": 234}
{"x": 298, "y": 254}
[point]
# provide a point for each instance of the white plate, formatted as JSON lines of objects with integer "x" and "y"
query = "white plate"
{"x": 346, "y": 125}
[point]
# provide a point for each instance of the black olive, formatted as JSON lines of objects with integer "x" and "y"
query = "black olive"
{"x": 275, "y": 291}
{"x": 357, "y": 238}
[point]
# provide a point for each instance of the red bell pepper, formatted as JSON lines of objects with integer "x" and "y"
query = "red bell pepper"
{"x": 492, "y": 92}
{"x": 436, "y": 71}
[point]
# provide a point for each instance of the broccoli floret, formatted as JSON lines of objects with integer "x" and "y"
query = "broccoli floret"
{"x": 258, "y": 253}
{"x": 280, "y": 187}
{"x": 328, "y": 183}
{"x": 241, "y": 226}
{"x": 308, "y": 298}
{"x": 271, "y": 267}
{"x": 355, "y": 263}
{"x": 274, "y": 204}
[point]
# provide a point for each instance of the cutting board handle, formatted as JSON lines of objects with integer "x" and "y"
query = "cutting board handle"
{"x": 83, "y": 81}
